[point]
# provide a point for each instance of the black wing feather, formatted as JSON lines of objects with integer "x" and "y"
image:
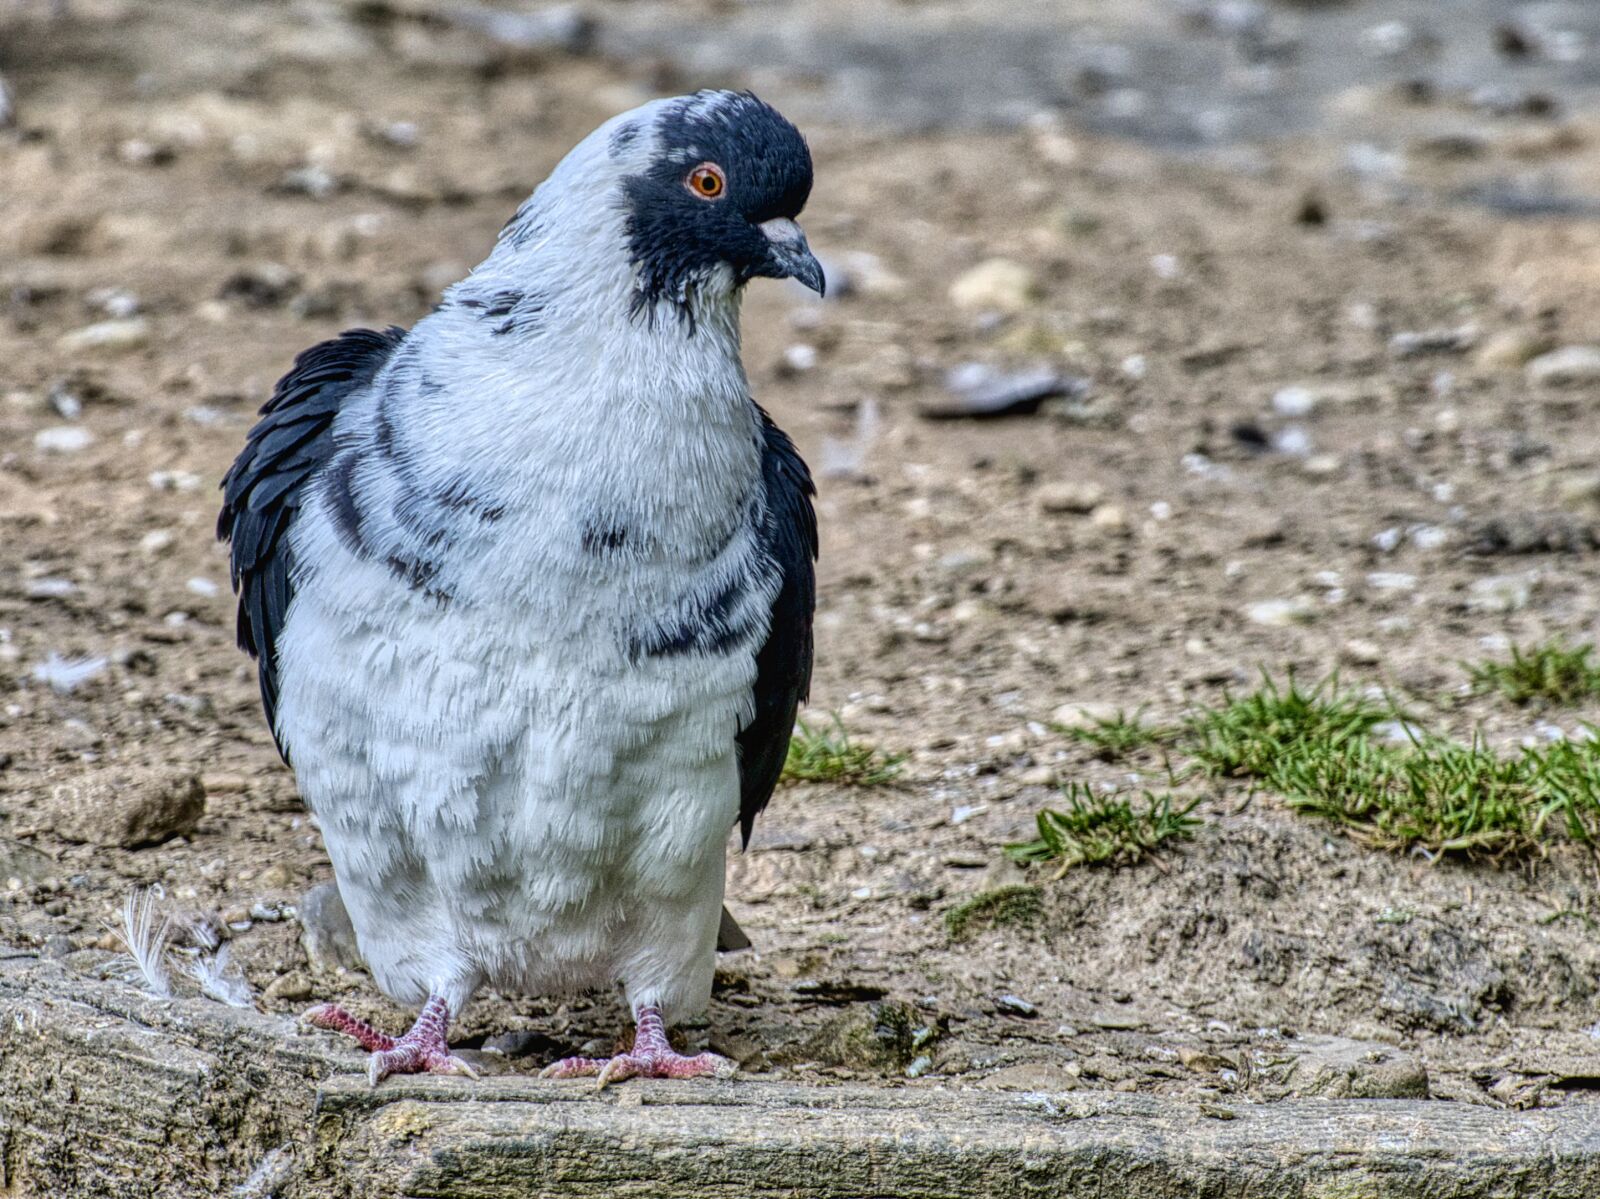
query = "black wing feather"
{"x": 783, "y": 665}
{"x": 262, "y": 491}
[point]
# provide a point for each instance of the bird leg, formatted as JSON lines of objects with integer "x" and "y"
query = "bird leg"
{"x": 653, "y": 1057}
{"x": 423, "y": 1050}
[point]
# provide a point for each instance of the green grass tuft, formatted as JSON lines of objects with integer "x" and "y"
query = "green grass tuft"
{"x": 1016, "y": 904}
{"x": 1316, "y": 749}
{"x": 1552, "y": 673}
{"x": 1115, "y": 737}
{"x": 1253, "y": 736}
{"x": 827, "y": 755}
{"x": 1095, "y": 829}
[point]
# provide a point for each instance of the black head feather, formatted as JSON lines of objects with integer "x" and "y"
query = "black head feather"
{"x": 674, "y": 236}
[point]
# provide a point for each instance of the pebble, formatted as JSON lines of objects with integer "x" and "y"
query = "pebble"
{"x": 1433, "y": 341}
{"x": 127, "y": 807}
{"x": 288, "y": 988}
{"x": 157, "y": 541}
{"x": 49, "y": 588}
{"x": 1109, "y": 518}
{"x": 1566, "y": 366}
{"x": 63, "y": 439}
{"x": 1429, "y": 537}
{"x": 867, "y": 274}
{"x": 1509, "y": 349}
{"x": 1501, "y": 593}
{"x": 1016, "y": 1005}
{"x": 1361, "y": 652}
{"x": 1294, "y": 402}
{"x": 174, "y": 480}
{"x": 1084, "y": 715}
{"x": 202, "y": 586}
{"x": 326, "y": 932}
{"x": 1391, "y": 580}
{"x": 1322, "y": 466}
{"x": 997, "y": 284}
{"x": 1280, "y": 613}
{"x": 113, "y": 336}
{"x": 310, "y": 180}
{"x": 798, "y": 359}
{"x": 1339, "y": 1068}
{"x": 1069, "y": 497}
{"x": 980, "y": 390}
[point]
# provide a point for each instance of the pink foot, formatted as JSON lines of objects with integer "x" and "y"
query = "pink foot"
{"x": 423, "y": 1050}
{"x": 653, "y": 1057}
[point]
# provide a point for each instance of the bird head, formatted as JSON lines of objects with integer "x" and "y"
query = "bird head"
{"x": 706, "y": 189}
{"x": 717, "y": 200}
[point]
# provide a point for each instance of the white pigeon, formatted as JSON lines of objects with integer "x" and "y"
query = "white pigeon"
{"x": 531, "y": 589}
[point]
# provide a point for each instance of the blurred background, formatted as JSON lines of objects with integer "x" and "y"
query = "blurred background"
{"x": 1169, "y": 344}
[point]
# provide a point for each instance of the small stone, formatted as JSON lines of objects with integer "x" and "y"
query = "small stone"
{"x": 157, "y": 541}
{"x": 1202, "y": 1061}
{"x": 1030, "y": 1076}
{"x": 1500, "y": 593}
{"x": 979, "y": 390}
{"x": 1084, "y": 715}
{"x": 1069, "y": 497}
{"x": 1433, "y": 341}
{"x": 1566, "y": 366}
{"x": 23, "y": 865}
{"x": 868, "y": 275}
{"x": 1016, "y": 1005}
{"x": 1281, "y": 613}
{"x": 798, "y": 359}
{"x": 998, "y": 284}
{"x": 1116, "y": 1022}
{"x": 1109, "y": 518}
{"x": 1509, "y": 349}
{"x": 275, "y": 877}
{"x": 288, "y": 988}
{"x": 113, "y": 336}
{"x": 1579, "y": 491}
{"x": 1296, "y": 403}
{"x": 327, "y": 934}
{"x": 874, "y": 1037}
{"x": 63, "y": 439}
{"x": 1361, "y": 652}
{"x": 174, "y": 480}
{"x": 1391, "y": 580}
{"x": 1322, "y": 466}
{"x": 1337, "y": 1068}
{"x": 128, "y": 807}
{"x": 311, "y": 180}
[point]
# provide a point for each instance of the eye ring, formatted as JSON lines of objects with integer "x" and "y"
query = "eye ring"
{"x": 706, "y": 181}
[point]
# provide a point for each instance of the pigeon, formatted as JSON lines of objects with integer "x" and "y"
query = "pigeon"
{"x": 530, "y": 589}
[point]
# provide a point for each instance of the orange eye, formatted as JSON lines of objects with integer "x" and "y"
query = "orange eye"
{"x": 707, "y": 181}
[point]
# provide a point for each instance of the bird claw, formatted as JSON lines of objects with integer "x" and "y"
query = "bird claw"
{"x": 414, "y": 1059}
{"x": 624, "y": 1066}
{"x": 423, "y": 1050}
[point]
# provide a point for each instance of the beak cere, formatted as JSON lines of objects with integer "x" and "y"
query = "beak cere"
{"x": 790, "y": 256}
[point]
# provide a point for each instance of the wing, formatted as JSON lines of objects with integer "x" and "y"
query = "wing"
{"x": 262, "y": 491}
{"x": 783, "y": 665}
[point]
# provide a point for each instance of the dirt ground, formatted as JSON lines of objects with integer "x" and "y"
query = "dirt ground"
{"x": 241, "y": 181}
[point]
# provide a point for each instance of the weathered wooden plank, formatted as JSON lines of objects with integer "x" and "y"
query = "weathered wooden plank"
{"x": 110, "y": 1092}
{"x": 505, "y": 1138}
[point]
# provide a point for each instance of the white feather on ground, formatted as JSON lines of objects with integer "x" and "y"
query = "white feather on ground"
{"x": 209, "y": 969}
{"x": 66, "y": 675}
{"x": 146, "y": 939}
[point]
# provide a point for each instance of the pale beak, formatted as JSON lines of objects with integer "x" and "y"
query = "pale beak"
{"x": 788, "y": 255}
